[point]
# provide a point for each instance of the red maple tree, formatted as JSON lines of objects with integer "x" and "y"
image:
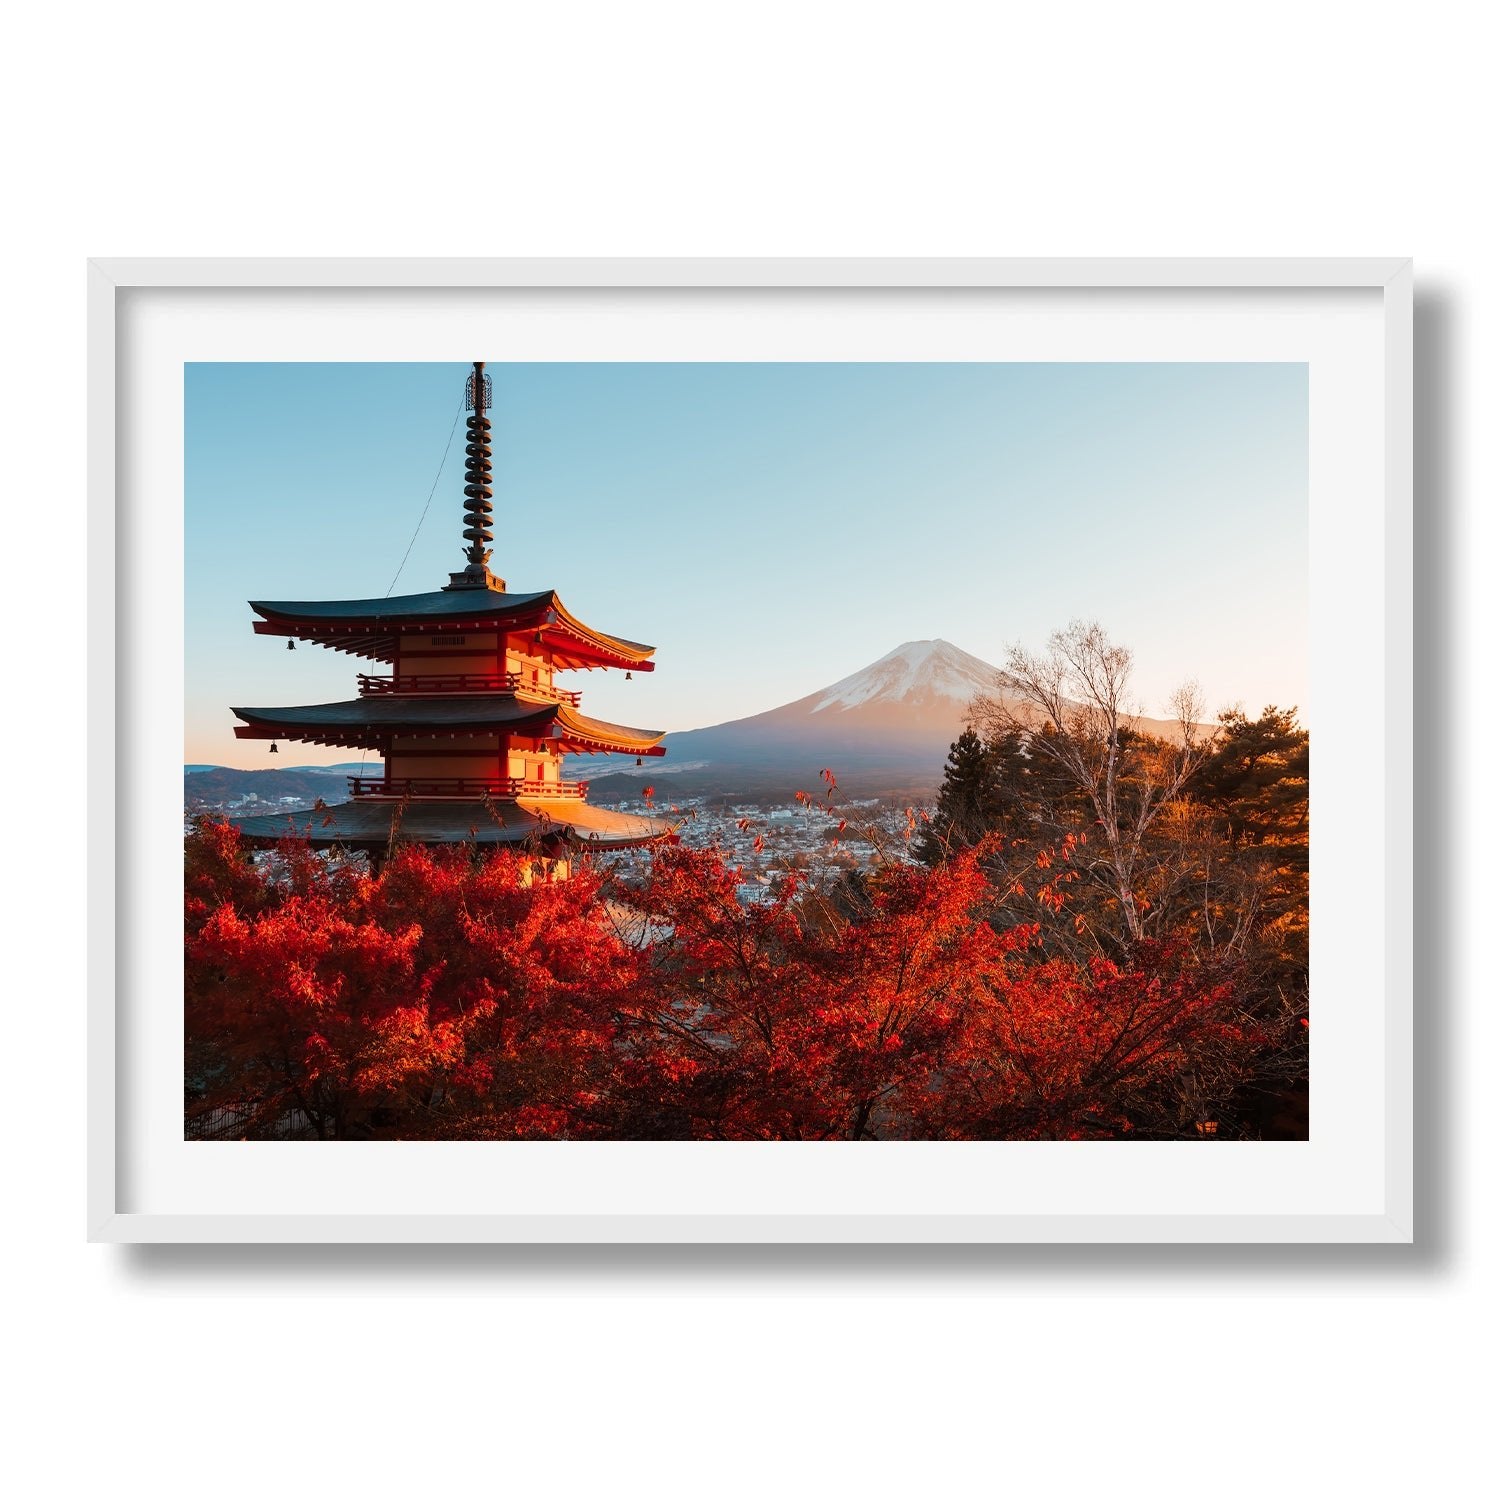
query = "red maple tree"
{"x": 469, "y": 996}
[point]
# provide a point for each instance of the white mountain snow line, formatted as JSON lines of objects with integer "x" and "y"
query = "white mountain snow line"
{"x": 934, "y": 667}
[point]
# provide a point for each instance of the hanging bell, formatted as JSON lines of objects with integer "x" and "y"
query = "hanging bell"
{"x": 536, "y": 639}
{"x": 291, "y": 645}
{"x": 274, "y": 750}
{"x": 637, "y": 760}
{"x": 629, "y": 677}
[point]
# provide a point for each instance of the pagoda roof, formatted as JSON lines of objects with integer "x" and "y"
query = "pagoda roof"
{"x": 370, "y": 627}
{"x": 367, "y": 823}
{"x": 367, "y": 721}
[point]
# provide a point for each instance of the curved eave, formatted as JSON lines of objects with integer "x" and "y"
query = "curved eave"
{"x": 370, "y": 647}
{"x": 572, "y": 643}
{"x": 371, "y": 723}
{"x": 593, "y": 736}
{"x": 371, "y": 627}
{"x": 548, "y": 822}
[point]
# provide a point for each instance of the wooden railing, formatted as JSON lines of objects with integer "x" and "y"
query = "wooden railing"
{"x": 463, "y": 786}
{"x": 463, "y": 682}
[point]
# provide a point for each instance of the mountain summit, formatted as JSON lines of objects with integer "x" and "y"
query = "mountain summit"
{"x": 915, "y": 673}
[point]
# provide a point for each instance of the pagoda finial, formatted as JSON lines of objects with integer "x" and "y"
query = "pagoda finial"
{"x": 478, "y": 512}
{"x": 477, "y": 473}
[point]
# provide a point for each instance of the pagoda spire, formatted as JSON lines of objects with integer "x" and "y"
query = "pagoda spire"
{"x": 478, "y": 510}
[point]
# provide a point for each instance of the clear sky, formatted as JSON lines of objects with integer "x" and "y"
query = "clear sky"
{"x": 769, "y": 527}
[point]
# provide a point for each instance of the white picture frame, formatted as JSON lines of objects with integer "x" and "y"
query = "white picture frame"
{"x": 1355, "y": 1184}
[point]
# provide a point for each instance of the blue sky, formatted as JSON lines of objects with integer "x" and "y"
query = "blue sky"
{"x": 769, "y": 527}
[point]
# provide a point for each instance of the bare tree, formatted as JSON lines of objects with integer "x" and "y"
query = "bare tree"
{"x": 1070, "y": 702}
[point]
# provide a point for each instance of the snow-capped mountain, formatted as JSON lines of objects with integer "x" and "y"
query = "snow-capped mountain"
{"x": 890, "y": 722}
{"x": 916, "y": 675}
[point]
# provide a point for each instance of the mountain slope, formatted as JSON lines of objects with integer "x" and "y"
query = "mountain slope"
{"x": 886, "y": 727}
{"x": 217, "y": 786}
{"x": 893, "y": 711}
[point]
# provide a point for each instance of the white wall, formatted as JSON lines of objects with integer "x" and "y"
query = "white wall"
{"x": 791, "y": 128}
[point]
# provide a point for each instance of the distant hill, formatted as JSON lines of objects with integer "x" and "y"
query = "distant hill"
{"x": 217, "y": 786}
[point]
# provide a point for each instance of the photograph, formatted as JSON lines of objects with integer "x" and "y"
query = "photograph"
{"x": 746, "y": 751}
{"x": 738, "y": 601}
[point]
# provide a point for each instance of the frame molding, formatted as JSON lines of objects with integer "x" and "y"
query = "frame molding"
{"x": 110, "y": 280}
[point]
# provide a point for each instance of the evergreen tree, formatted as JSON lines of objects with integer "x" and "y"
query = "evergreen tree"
{"x": 1254, "y": 785}
{"x": 970, "y": 802}
{"x": 1256, "y": 779}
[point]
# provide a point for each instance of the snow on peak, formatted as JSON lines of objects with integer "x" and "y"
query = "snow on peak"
{"x": 917, "y": 669}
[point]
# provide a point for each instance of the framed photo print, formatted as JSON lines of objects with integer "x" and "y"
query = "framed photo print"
{"x": 751, "y": 751}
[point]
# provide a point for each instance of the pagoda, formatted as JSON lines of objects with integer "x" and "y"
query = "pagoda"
{"x": 469, "y": 720}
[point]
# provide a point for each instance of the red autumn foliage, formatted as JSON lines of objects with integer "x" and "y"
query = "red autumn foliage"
{"x": 356, "y": 1005}
{"x": 458, "y": 995}
{"x": 1069, "y": 1050}
{"x": 756, "y": 1024}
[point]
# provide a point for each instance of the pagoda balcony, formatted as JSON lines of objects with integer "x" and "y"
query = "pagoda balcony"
{"x": 463, "y": 786}
{"x": 403, "y": 684}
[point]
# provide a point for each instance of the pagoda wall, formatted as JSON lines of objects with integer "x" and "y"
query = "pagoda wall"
{"x": 529, "y": 668}
{"x": 469, "y": 756}
{"x": 544, "y": 765}
{"x": 470, "y": 767}
{"x": 473, "y": 652}
{"x": 472, "y": 757}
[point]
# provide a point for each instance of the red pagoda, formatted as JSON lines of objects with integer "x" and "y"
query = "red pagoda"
{"x": 470, "y": 722}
